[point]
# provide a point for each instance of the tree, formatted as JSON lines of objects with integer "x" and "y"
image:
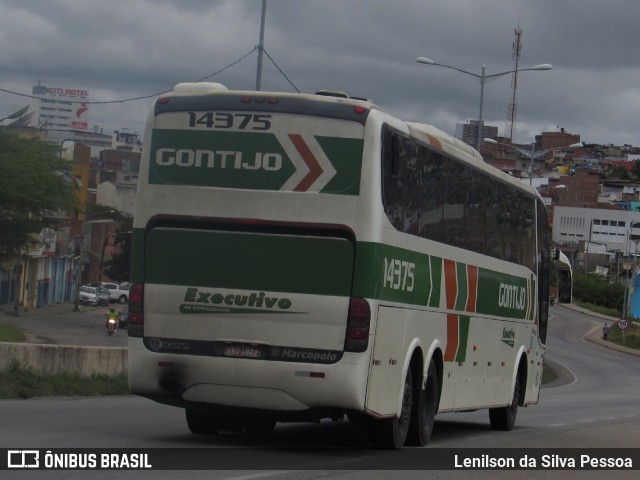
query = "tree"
{"x": 33, "y": 191}
{"x": 117, "y": 268}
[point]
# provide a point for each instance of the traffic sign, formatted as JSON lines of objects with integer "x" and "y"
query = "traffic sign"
{"x": 622, "y": 324}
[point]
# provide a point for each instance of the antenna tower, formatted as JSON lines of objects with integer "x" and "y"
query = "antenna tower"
{"x": 510, "y": 128}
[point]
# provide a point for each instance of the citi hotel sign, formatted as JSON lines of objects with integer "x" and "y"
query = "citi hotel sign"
{"x": 67, "y": 92}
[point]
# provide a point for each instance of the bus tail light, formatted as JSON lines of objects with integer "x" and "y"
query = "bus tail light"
{"x": 358, "y": 322}
{"x": 135, "y": 326}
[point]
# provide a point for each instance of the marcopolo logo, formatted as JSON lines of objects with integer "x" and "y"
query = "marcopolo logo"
{"x": 203, "y": 302}
{"x": 509, "y": 336}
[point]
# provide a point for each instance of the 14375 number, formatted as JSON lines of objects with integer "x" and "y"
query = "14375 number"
{"x": 399, "y": 274}
{"x": 224, "y": 120}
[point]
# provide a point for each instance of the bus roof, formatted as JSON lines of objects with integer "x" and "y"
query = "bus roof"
{"x": 211, "y": 96}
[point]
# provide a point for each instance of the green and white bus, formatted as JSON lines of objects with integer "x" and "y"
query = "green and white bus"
{"x": 300, "y": 257}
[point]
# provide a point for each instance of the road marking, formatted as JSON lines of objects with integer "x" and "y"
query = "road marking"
{"x": 557, "y": 425}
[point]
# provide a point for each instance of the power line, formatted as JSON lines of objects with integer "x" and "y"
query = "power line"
{"x": 230, "y": 65}
{"x": 143, "y": 96}
{"x": 280, "y": 70}
{"x": 160, "y": 93}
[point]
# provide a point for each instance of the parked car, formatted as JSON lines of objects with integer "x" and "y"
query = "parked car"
{"x": 117, "y": 293}
{"x": 94, "y": 296}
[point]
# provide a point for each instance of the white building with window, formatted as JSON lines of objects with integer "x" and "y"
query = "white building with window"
{"x": 602, "y": 230}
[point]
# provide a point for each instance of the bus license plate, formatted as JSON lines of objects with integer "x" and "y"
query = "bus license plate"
{"x": 243, "y": 351}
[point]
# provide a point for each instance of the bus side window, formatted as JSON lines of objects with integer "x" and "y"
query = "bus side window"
{"x": 391, "y": 153}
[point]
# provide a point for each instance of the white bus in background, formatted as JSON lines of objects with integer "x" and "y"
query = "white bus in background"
{"x": 299, "y": 257}
{"x": 565, "y": 277}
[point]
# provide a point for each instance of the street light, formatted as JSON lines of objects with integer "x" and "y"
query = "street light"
{"x": 483, "y": 79}
{"x": 533, "y": 154}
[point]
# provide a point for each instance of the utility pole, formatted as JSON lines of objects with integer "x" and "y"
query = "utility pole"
{"x": 511, "y": 112}
{"x": 261, "y": 46}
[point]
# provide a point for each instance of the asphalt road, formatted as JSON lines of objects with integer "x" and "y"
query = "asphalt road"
{"x": 61, "y": 325}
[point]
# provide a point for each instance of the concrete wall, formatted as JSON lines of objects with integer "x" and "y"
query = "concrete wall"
{"x": 84, "y": 361}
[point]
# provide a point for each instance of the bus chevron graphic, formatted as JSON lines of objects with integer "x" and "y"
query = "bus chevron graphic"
{"x": 313, "y": 168}
{"x": 461, "y": 282}
{"x": 457, "y": 337}
{"x": 311, "y": 164}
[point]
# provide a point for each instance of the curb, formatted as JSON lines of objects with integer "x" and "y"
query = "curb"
{"x": 595, "y": 335}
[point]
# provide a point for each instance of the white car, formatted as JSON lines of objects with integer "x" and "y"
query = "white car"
{"x": 117, "y": 293}
{"x": 94, "y": 296}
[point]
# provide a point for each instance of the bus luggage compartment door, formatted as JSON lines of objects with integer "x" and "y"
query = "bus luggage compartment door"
{"x": 273, "y": 290}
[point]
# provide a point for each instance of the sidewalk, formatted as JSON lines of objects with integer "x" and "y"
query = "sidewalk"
{"x": 595, "y": 335}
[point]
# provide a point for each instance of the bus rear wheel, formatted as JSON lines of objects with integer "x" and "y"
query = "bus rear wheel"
{"x": 424, "y": 414}
{"x": 260, "y": 426}
{"x": 201, "y": 423}
{"x": 504, "y": 418}
{"x": 391, "y": 433}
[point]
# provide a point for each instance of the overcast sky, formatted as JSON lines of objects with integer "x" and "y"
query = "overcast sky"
{"x": 124, "y": 49}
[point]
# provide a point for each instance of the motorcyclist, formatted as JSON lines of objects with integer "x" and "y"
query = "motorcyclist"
{"x": 112, "y": 314}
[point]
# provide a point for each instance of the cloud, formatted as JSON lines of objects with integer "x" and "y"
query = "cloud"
{"x": 130, "y": 48}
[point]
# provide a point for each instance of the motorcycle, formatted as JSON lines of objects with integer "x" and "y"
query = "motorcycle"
{"x": 112, "y": 325}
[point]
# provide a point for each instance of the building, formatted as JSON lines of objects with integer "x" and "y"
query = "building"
{"x": 468, "y": 132}
{"x": 60, "y": 108}
{"x": 603, "y": 240}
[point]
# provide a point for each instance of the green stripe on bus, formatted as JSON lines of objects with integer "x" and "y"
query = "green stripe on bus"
{"x": 503, "y": 295}
{"x": 248, "y": 160}
{"x": 321, "y": 266}
{"x": 463, "y": 288}
{"x": 463, "y": 337}
{"x": 345, "y": 154}
{"x": 318, "y": 266}
{"x": 136, "y": 275}
{"x": 436, "y": 284}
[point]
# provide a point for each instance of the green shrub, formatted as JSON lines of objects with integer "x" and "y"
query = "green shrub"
{"x": 597, "y": 290}
{"x": 19, "y": 382}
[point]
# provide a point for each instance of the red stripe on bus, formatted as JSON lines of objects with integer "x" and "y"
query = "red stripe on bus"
{"x": 452, "y": 338}
{"x": 451, "y": 283}
{"x": 434, "y": 142}
{"x": 315, "y": 170}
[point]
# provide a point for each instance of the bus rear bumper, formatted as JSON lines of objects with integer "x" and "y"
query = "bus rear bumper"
{"x": 187, "y": 381}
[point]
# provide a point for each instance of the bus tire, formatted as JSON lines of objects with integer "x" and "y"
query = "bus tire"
{"x": 504, "y": 418}
{"x": 201, "y": 423}
{"x": 391, "y": 433}
{"x": 423, "y": 416}
{"x": 260, "y": 426}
